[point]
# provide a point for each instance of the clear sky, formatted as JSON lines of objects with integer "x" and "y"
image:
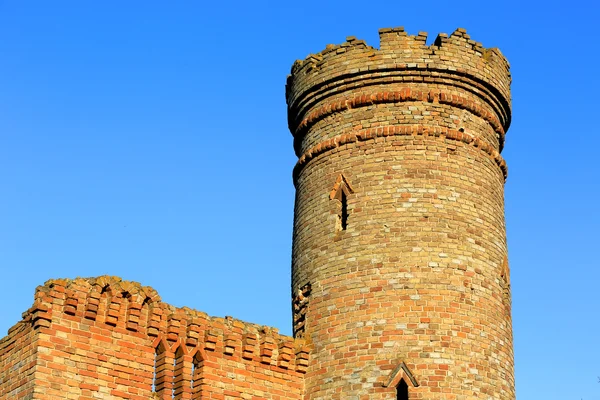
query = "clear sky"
{"x": 148, "y": 140}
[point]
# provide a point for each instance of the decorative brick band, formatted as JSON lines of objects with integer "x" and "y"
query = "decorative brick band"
{"x": 267, "y": 348}
{"x": 402, "y": 95}
{"x": 399, "y": 130}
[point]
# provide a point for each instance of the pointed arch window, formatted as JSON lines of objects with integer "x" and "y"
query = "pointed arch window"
{"x": 399, "y": 379}
{"x": 197, "y": 381}
{"x": 164, "y": 362}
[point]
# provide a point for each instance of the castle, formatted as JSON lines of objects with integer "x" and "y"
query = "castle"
{"x": 400, "y": 279}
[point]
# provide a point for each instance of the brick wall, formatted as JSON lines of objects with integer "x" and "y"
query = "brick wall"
{"x": 17, "y": 362}
{"x": 102, "y": 338}
{"x": 399, "y": 218}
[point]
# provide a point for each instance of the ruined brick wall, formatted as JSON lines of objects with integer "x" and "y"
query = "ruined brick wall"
{"x": 17, "y": 362}
{"x": 399, "y": 219}
{"x": 102, "y": 338}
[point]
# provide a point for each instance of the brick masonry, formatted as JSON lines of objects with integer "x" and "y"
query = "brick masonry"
{"x": 104, "y": 338}
{"x": 400, "y": 276}
{"x": 414, "y": 284}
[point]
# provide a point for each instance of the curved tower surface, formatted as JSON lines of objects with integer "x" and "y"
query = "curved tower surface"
{"x": 399, "y": 265}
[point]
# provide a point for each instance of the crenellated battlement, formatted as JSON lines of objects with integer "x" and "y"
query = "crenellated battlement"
{"x": 398, "y": 46}
{"x": 106, "y": 337}
{"x": 453, "y": 63}
{"x": 138, "y": 310}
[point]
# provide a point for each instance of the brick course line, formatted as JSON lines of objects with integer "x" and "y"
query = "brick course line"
{"x": 399, "y": 130}
{"x": 401, "y": 74}
{"x": 397, "y": 96}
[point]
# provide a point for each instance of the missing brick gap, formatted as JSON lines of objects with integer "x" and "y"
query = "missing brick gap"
{"x": 300, "y": 307}
{"x": 429, "y": 39}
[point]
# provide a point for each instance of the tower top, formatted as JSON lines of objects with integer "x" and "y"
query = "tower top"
{"x": 454, "y": 60}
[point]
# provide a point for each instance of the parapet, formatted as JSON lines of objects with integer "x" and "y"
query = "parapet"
{"x": 137, "y": 310}
{"x": 452, "y": 60}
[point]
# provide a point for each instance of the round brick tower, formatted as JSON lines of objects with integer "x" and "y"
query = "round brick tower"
{"x": 399, "y": 271}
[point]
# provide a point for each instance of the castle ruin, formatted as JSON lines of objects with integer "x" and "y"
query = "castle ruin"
{"x": 400, "y": 278}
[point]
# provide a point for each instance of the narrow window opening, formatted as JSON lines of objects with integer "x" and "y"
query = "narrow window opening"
{"x": 344, "y": 212}
{"x": 154, "y": 373}
{"x": 173, "y": 387}
{"x": 340, "y": 192}
{"x": 146, "y": 312}
{"x": 196, "y": 377}
{"x": 193, "y": 376}
{"x": 402, "y": 390}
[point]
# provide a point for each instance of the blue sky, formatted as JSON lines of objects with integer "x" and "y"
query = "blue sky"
{"x": 149, "y": 140}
